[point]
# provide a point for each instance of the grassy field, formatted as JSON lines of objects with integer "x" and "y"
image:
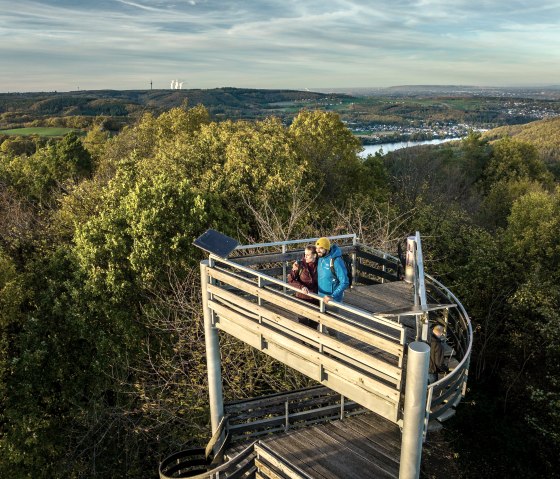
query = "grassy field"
{"x": 40, "y": 131}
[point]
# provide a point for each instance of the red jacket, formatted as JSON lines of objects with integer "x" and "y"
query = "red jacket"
{"x": 306, "y": 276}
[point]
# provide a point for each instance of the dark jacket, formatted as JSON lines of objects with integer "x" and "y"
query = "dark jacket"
{"x": 437, "y": 358}
{"x": 330, "y": 284}
{"x": 306, "y": 276}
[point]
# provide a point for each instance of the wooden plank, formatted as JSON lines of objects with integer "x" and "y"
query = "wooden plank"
{"x": 367, "y": 398}
{"x": 341, "y": 460}
{"x": 377, "y": 464}
{"x": 348, "y": 380}
{"x": 264, "y": 453}
{"x": 289, "y": 447}
{"x": 377, "y": 259}
{"x": 362, "y": 268}
{"x": 293, "y": 354}
{"x": 244, "y": 332}
{"x": 369, "y": 442}
{"x": 263, "y": 468}
{"x": 297, "y": 307}
{"x": 306, "y": 455}
{"x": 244, "y": 471}
{"x": 351, "y": 325}
{"x": 391, "y": 434}
{"x": 302, "y": 310}
{"x": 442, "y": 393}
{"x": 377, "y": 438}
{"x": 382, "y": 297}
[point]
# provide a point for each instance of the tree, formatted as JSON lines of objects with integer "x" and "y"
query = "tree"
{"x": 331, "y": 152}
{"x": 534, "y": 325}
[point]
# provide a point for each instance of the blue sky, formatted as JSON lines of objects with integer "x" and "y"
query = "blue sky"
{"x": 64, "y": 45}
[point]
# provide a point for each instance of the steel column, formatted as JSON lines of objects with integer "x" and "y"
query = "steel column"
{"x": 212, "y": 355}
{"x": 414, "y": 409}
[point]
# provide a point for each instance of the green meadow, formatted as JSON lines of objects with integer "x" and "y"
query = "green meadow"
{"x": 40, "y": 131}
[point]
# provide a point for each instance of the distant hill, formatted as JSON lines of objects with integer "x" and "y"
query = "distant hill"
{"x": 544, "y": 134}
{"x": 551, "y": 92}
{"x": 231, "y": 102}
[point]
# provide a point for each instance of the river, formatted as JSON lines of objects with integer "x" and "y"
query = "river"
{"x": 387, "y": 147}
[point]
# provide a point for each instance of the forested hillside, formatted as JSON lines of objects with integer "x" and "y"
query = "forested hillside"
{"x": 544, "y": 135}
{"x": 101, "y": 348}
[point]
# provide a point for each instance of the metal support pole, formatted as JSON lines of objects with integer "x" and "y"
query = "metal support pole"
{"x": 414, "y": 409}
{"x": 410, "y": 263}
{"x": 212, "y": 355}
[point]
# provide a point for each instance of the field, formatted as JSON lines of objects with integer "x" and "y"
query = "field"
{"x": 39, "y": 131}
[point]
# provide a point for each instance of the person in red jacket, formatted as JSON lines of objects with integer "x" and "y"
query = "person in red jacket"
{"x": 304, "y": 277}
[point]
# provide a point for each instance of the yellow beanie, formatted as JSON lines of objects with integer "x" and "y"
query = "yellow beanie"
{"x": 323, "y": 243}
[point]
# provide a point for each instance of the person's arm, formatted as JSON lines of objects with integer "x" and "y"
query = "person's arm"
{"x": 342, "y": 276}
{"x": 293, "y": 277}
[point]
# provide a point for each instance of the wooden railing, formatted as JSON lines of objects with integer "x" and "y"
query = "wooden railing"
{"x": 284, "y": 411}
{"x": 261, "y": 311}
{"x": 359, "y": 367}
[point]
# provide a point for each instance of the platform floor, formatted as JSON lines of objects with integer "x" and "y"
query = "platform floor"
{"x": 381, "y": 298}
{"x": 365, "y": 446}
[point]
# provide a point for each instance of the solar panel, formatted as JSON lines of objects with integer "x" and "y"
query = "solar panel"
{"x": 216, "y": 243}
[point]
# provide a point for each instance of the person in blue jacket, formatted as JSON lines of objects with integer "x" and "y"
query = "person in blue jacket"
{"x": 331, "y": 286}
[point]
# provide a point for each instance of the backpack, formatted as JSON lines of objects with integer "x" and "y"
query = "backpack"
{"x": 348, "y": 263}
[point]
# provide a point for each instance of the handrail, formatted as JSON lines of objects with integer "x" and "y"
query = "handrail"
{"x": 322, "y": 307}
{"x": 467, "y": 354}
{"x": 289, "y": 242}
{"x": 421, "y": 291}
{"x": 311, "y": 405}
{"x": 379, "y": 252}
{"x": 452, "y": 387}
{"x": 216, "y": 436}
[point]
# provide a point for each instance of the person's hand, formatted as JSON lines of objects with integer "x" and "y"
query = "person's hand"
{"x": 304, "y": 290}
{"x": 326, "y": 299}
{"x": 295, "y": 266}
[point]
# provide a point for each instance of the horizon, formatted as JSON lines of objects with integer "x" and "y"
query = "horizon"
{"x": 311, "y": 90}
{"x": 71, "y": 45}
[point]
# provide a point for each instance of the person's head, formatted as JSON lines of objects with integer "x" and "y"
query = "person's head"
{"x": 323, "y": 246}
{"x": 438, "y": 330}
{"x": 310, "y": 253}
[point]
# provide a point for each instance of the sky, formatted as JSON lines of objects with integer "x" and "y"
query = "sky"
{"x": 66, "y": 45}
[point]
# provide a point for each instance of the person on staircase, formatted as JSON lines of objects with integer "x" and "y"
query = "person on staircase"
{"x": 437, "y": 356}
{"x": 304, "y": 277}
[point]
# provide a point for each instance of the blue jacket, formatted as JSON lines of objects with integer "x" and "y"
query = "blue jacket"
{"x": 329, "y": 284}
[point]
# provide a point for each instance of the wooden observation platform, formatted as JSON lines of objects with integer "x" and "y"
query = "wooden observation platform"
{"x": 368, "y": 415}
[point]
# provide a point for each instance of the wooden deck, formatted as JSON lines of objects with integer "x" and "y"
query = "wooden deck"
{"x": 381, "y": 298}
{"x": 365, "y": 446}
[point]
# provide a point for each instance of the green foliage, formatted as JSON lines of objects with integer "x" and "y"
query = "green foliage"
{"x": 535, "y": 322}
{"x": 48, "y": 170}
{"x": 18, "y": 145}
{"x": 330, "y": 151}
{"x": 513, "y": 160}
{"x": 101, "y": 343}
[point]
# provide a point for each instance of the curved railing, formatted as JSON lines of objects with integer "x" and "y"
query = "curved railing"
{"x": 445, "y": 394}
{"x": 189, "y": 463}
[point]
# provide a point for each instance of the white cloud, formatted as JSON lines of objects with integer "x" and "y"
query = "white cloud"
{"x": 268, "y": 43}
